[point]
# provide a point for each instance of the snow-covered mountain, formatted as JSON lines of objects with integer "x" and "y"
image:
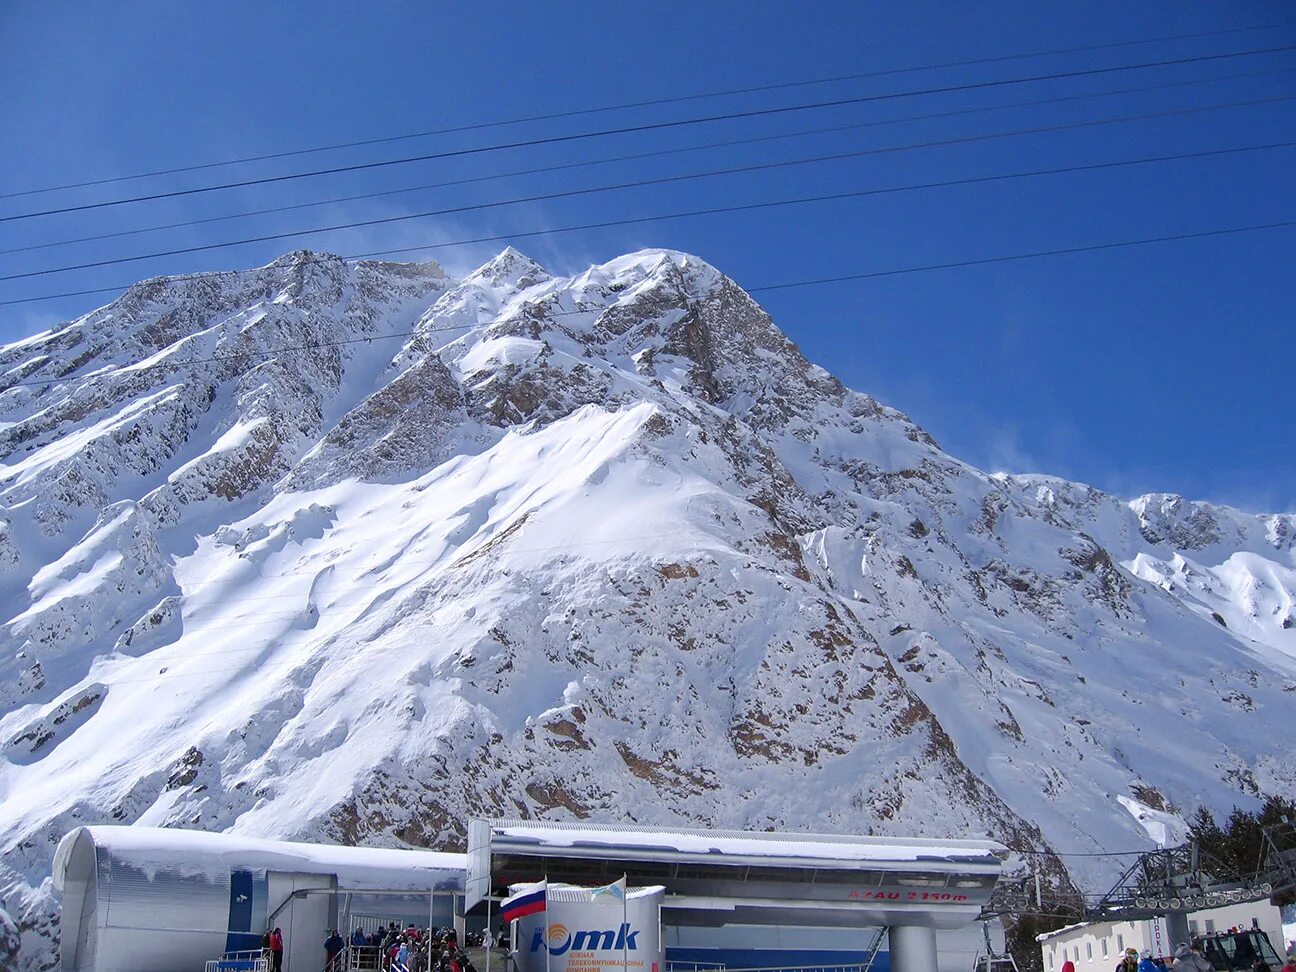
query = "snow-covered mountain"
{"x": 10, "y": 942}
{"x": 353, "y": 551}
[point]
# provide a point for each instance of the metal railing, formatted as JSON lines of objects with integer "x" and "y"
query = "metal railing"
{"x": 253, "y": 960}
{"x": 374, "y": 958}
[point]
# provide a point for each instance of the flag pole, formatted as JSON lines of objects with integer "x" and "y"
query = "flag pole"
{"x": 487, "y": 937}
{"x": 544, "y": 922}
{"x": 625, "y": 932}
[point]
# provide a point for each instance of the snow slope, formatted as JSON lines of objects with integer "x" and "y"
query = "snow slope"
{"x": 352, "y": 551}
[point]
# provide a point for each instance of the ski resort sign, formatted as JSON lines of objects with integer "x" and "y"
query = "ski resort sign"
{"x": 581, "y": 930}
{"x": 922, "y": 897}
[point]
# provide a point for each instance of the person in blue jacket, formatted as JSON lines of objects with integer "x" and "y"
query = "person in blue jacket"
{"x": 359, "y": 939}
{"x": 1145, "y": 962}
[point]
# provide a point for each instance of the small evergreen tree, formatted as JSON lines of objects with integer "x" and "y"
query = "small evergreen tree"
{"x": 1239, "y": 846}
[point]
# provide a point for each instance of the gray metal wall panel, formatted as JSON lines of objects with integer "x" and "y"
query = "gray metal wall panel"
{"x": 165, "y": 898}
{"x": 158, "y": 919}
{"x": 134, "y": 950}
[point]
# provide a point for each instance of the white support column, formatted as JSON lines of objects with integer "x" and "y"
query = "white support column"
{"x": 460, "y": 924}
{"x": 1177, "y": 928}
{"x": 913, "y": 948}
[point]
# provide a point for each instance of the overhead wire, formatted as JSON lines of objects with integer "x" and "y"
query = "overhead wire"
{"x": 646, "y": 127}
{"x": 628, "y": 106}
{"x": 1036, "y": 254}
{"x": 657, "y": 153}
{"x": 661, "y": 217}
{"x": 642, "y": 183}
{"x": 766, "y": 288}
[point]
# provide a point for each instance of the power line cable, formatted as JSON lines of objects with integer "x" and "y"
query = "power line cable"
{"x": 713, "y": 211}
{"x": 638, "y": 184}
{"x": 654, "y": 126}
{"x": 1037, "y": 254}
{"x": 553, "y": 116}
{"x": 829, "y": 197}
{"x": 641, "y": 155}
{"x": 815, "y": 282}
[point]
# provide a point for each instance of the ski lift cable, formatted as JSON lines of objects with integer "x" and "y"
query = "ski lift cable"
{"x": 662, "y": 217}
{"x": 643, "y": 183}
{"x": 647, "y": 127}
{"x": 628, "y": 106}
{"x": 815, "y": 282}
{"x": 858, "y": 126}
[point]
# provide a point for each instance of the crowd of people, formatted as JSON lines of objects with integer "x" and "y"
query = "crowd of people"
{"x": 1198, "y": 957}
{"x": 387, "y": 949}
{"x": 396, "y": 949}
{"x": 1188, "y": 958}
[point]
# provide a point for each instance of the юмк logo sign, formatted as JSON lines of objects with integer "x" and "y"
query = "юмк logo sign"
{"x": 559, "y": 940}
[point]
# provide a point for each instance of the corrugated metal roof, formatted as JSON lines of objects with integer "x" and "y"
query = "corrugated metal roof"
{"x": 749, "y": 844}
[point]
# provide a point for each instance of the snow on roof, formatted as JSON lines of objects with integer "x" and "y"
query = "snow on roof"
{"x": 576, "y": 895}
{"x": 199, "y": 852}
{"x": 828, "y": 848}
{"x": 1061, "y": 931}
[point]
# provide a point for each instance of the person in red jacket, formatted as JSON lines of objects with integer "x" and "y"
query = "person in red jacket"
{"x": 276, "y": 951}
{"x": 1291, "y": 961}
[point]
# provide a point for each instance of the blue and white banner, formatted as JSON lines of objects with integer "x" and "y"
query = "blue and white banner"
{"x": 608, "y": 929}
{"x": 614, "y": 892}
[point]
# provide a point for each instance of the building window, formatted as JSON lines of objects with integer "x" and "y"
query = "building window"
{"x": 1120, "y": 943}
{"x": 1192, "y": 927}
{"x": 1049, "y": 964}
{"x": 1089, "y": 951}
{"x": 1210, "y": 926}
{"x": 1104, "y": 946}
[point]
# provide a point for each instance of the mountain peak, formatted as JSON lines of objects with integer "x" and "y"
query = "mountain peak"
{"x": 511, "y": 268}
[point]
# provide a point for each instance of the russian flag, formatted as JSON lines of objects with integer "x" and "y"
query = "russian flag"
{"x": 529, "y": 901}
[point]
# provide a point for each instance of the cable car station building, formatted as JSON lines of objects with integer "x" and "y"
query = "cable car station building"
{"x": 733, "y": 879}
{"x": 151, "y": 900}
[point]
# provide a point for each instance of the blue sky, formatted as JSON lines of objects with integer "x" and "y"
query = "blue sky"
{"x": 1156, "y": 368}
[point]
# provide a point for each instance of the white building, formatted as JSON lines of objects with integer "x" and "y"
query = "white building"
{"x": 180, "y": 897}
{"x": 1097, "y": 946}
